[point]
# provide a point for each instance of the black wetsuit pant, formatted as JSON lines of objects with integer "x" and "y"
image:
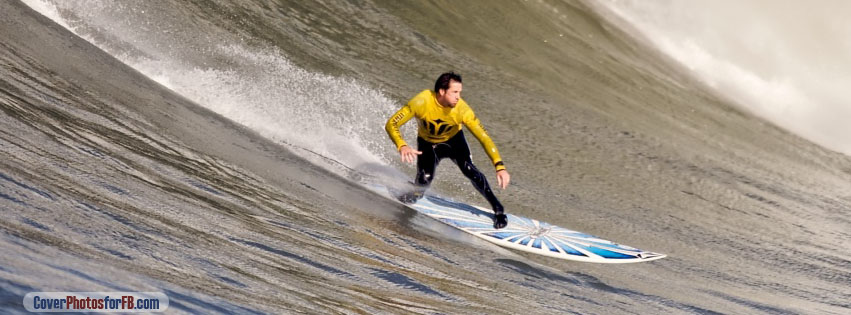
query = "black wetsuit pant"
{"x": 455, "y": 148}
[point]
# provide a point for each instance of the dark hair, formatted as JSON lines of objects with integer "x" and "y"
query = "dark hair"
{"x": 444, "y": 79}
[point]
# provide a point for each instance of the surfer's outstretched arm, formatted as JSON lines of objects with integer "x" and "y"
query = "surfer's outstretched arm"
{"x": 408, "y": 154}
{"x": 398, "y": 119}
{"x": 478, "y": 131}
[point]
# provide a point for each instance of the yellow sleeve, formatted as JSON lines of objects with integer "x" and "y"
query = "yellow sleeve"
{"x": 392, "y": 127}
{"x": 476, "y": 128}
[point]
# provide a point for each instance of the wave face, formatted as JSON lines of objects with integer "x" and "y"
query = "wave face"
{"x": 787, "y": 62}
{"x": 214, "y": 151}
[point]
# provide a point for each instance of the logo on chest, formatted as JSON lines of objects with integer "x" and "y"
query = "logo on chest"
{"x": 437, "y": 127}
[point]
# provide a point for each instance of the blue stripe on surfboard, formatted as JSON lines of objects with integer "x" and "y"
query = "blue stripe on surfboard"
{"x": 525, "y": 221}
{"x": 617, "y": 246}
{"x": 550, "y": 245}
{"x": 568, "y": 249}
{"x": 501, "y": 235}
{"x": 604, "y": 252}
{"x": 436, "y": 210}
{"x": 454, "y": 205}
{"x": 597, "y": 242}
{"x": 448, "y": 213}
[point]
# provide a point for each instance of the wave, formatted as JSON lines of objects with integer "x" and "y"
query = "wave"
{"x": 205, "y": 150}
{"x": 784, "y": 62}
{"x": 257, "y": 87}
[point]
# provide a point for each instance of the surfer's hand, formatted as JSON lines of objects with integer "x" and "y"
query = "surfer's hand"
{"x": 409, "y": 155}
{"x": 502, "y": 178}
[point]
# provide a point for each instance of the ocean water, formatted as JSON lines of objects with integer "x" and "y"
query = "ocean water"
{"x": 787, "y": 61}
{"x": 215, "y": 151}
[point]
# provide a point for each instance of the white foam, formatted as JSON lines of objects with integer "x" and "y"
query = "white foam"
{"x": 48, "y": 10}
{"x": 333, "y": 117}
{"x": 788, "y": 62}
{"x": 322, "y": 117}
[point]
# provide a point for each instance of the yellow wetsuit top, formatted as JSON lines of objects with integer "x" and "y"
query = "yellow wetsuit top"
{"x": 438, "y": 123}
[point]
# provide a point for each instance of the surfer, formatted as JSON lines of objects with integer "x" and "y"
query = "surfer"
{"x": 440, "y": 114}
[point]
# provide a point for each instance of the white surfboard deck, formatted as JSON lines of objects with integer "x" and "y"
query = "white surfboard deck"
{"x": 528, "y": 235}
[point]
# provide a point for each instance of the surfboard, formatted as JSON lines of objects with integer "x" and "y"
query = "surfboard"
{"x": 529, "y": 235}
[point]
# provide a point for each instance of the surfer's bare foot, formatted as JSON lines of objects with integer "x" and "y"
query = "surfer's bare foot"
{"x": 500, "y": 221}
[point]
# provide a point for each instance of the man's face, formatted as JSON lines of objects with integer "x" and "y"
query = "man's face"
{"x": 450, "y": 96}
